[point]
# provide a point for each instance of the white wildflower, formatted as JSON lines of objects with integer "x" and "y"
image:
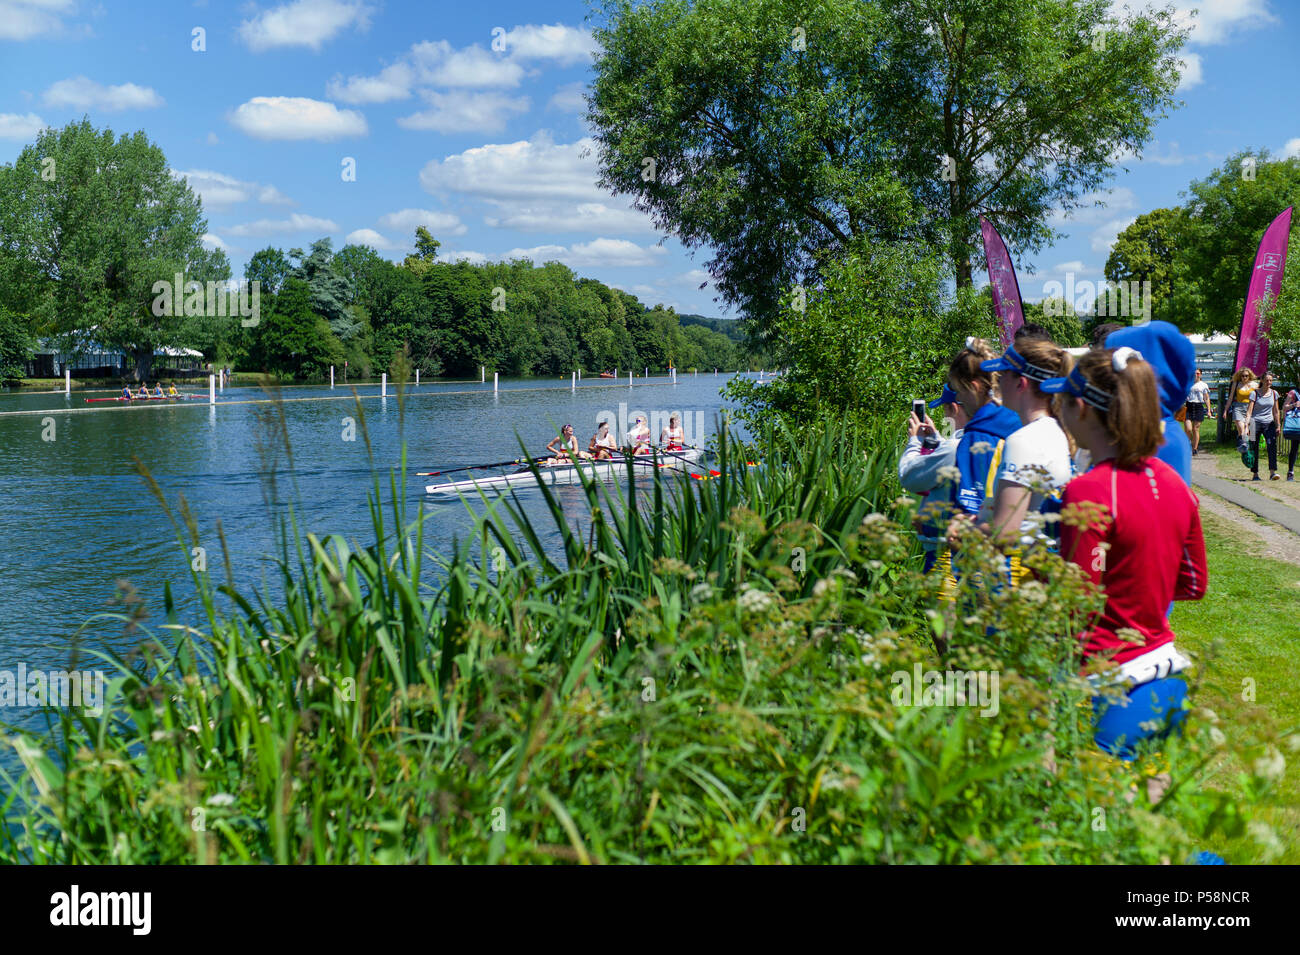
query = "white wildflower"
{"x": 755, "y": 601}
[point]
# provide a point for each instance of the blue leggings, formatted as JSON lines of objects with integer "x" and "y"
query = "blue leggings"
{"x": 1118, "y": 723}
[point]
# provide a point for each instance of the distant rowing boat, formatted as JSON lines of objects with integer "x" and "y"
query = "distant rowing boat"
{"x": 567, "y": 473}
{"x": 180, "y": 397}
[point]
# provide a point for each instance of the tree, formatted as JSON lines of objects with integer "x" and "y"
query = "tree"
{"x": 778, "y": 132}
{"x": 1227, "y": 213}
{"x": 269, "y": 267}
{"x": 96, "y": 221}
{"x": 331, "y": 291}
{"x": 15, "y": 346}
{"x": 1149, "y": 251}
{"x": 292, "y": 339}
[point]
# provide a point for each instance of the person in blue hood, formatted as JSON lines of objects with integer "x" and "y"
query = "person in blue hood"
{"x": 987, "y": 426}
{"x": 1173, "y": 357}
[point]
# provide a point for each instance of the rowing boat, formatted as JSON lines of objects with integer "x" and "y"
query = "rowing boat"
{"x": 566, "y": 473}
{"x": 180, "y": 397}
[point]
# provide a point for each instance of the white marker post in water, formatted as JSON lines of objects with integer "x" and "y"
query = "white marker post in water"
{"x": 212, "y": 389}
{"x": 482, "y": 374}
{"x": 383, "y": 385}
{"x": 67, "y": 380}
{"x": 417, "y": 378}
{"x": 629, "y": 379}
{"x": 495, "y": 382}
{"x": 331, "y": 377}
{"x": 573, "y": 381}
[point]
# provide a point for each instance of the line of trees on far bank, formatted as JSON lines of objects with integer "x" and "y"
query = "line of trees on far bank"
{"x": 90, "y": 222}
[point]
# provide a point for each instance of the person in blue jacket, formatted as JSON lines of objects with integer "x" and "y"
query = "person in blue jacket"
{"x": 1173, "y": 358}
{"x": 987, "y": 425}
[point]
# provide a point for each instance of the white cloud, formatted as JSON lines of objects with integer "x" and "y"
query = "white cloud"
{"x": 296, "y": 117}
{"x": 694, "y": 278}
{"x": 80, "y": 92}
{"x": 563, "y": 44}
{"x": 569, "y": 98}
{"x": 569, "y": 217}
{"x": 1103, "y": 237}
{"x": 465, "y": 112}
{"x": 597, "y": 252}
{"x": 212, "y": 139}
{"x": 408, "y": 220}
{"x": 371, "y": 238}
{"x": 1291, "y": 149}
{"x": 392, "y": 83}
{"x": 536, "y": 185}
{"x": 16, "y": 126}
{"x": 439, "y": 64}
{"x": 309, "y": 23}
{"x": 294, "y": 224}
{"x": 528, "y": 169}
{"x": 1216, "y": 21}
{"x": 211, "y": 241}
{"x": 1190, "y": 74}
{"x": 1089, "y": 212}
{"x": 220, "y": 191}
{"x": 24, "y": 19}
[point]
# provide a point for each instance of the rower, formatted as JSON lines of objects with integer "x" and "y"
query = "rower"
{"x": 673, "y": 437}
{"x": 144, "y": 391}
{"x": 159, "y": 392}
{"x": 171, "y": 390}
{"x": 639, "y": 436}
{"x": 567, "y": 449}
{"x": 126, "y": 392}
{"x": 603, "y": 445}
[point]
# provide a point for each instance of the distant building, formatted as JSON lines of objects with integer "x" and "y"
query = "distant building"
{"x": 94, "y": 360}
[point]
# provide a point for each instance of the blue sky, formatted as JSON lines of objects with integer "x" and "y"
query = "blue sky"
{"x": 484, "y": 145}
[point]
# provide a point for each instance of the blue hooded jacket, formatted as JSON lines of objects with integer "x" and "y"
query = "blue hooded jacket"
{"x": 1173, "y": 358}
{"x": 991, "y": 424}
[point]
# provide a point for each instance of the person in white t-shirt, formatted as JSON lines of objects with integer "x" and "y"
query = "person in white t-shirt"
{"x": 603, "y": 444}
{"x": 1036, "y": 463}
{"x": 1198, "y": 404}
{"x": 671, "y": 436}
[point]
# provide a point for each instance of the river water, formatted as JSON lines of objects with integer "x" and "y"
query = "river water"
{"x": 76, "y": 517}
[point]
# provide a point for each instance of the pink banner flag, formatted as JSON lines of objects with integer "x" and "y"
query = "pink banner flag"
{"x": 1265, "y": 280}
{"x": 1002, "y": 280}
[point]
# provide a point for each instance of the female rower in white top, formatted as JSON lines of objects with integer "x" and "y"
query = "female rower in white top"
{"x": 564, "y": 446}
{"x": 603, "y": 445}
{"x": 639, "y": 436}
{"x": 672, "y": 437}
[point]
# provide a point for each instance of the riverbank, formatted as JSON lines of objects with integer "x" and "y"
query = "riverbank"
{"x": 715, "y": 680}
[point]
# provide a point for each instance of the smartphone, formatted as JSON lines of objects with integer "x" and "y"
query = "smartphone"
{"x": 918, "y": 409}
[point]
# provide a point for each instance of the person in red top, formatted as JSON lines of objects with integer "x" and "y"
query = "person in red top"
{"x": 1145, "y": 548}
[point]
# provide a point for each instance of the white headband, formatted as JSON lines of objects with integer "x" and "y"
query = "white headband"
{"x": 1122, "y": 357}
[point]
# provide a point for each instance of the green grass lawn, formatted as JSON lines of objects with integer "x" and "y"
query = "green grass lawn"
{"x": 1247, "y": 629}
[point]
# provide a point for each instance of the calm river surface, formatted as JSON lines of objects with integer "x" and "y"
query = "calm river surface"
{"x": 75, "y": 517}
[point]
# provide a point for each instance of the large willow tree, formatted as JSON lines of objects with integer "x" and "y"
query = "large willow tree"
{"x": 777, "y": 132}
{"x": 88, "y": 223}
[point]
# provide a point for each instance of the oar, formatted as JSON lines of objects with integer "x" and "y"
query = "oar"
{"x": 683, "y": 457}
{"x": 479, "y": 467}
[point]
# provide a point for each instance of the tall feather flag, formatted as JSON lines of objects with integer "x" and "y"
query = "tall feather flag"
{"x": 1265, "y": 280}
{"x": 1002, "y": 280}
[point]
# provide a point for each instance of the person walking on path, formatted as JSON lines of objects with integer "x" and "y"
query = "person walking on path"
{"x": 1239, "y": 392}
{"x": 1198, "y": 404}
{"x": 1291, "y": 429}
{"x": 1263, "y": 414}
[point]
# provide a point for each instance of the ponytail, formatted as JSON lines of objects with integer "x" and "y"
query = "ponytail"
{"x": 1132, "y": 416}
{"x": 965, "y": 368}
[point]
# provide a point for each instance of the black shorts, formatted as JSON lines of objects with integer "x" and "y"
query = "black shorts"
{"x": 1196, "y": 411}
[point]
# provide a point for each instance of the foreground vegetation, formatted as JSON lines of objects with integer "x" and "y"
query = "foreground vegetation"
{"x": 705, "y": 674}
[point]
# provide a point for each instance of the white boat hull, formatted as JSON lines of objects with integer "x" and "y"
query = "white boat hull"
{"x": 569, "y": 473}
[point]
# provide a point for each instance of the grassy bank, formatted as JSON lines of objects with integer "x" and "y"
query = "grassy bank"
{"x": 712, "y": 671}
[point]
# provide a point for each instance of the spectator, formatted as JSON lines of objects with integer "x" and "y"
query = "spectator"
{"x": 1198, "y": 401}
{"x": 919, "y": 467}
{"x": 1036, "y": 462}
{"x": 1239, "y": 394}
{"x": 1102, "y": 332}
{"x": 1173, "y": 359}
{"x": 1291, "y": 429}
{"x": 1264, "y": 418}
